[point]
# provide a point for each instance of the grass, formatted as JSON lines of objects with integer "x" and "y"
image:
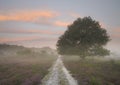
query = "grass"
{"x": 19, "y": 74}
{"x": 24, "y": 69}
{"x": 94, "y": 71}
{"x": 22, "y": 66}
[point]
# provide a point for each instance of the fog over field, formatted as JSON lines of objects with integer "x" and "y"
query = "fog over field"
{"x": 59, "y": 42}
{"x": 30, "y": 66}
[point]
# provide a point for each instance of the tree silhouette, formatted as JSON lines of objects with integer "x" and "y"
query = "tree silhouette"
{"x": 84, "y": 37}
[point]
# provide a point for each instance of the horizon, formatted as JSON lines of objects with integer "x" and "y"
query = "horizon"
{"x": 39, "y": 24}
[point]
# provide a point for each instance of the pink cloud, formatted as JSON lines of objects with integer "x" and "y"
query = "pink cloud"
{"x": 44, "y": 17}
{"x": 116, "y": 34}
{"x": 27, "y": 15}
{"x": 30, "y": 38}
{"x": 48, "y": 32}
{"x": 61, "y": 23}
{"x": 4, "y": 40}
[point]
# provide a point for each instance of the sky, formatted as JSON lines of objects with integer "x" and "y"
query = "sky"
{"x": 39, "y": 23}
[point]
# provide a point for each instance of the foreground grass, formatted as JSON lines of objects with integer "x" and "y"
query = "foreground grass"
{"x": 23, "y": 66}
{"x": 94, "y": 71}
{"x": 27, "y": 70}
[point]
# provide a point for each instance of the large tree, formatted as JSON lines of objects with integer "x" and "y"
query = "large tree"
{"x": 84, "y": 37}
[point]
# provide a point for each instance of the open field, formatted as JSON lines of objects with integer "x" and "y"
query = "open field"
{"x": 27, "y": 72}
{"x": 94, "y": 71}
{"x": 28, "y": 66}
{"x": 25, "y": 67}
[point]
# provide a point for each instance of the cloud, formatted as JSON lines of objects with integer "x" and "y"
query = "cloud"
{"x": 27, "y": 15}
{"x": 115, "y": 36}
{"x": 115, "y": 32}
{"x": 31, "y": 41}
{"x": 35, "y": 31}
{"x": 4, "y": 40}
{"x": 34, "y": 16}
{"x": 61, "y": 23}
{"x": 30, "y": 38}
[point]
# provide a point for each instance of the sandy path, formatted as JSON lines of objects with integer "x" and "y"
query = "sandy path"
{"x": 59, "y": 75}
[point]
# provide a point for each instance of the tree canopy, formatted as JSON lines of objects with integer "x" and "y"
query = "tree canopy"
{"x": 84, "y": 37}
